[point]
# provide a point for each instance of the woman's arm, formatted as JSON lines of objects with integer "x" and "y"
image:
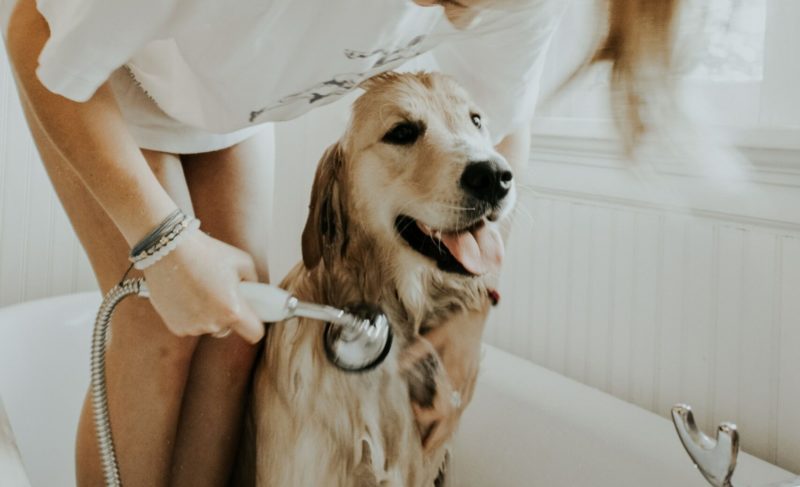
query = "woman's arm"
{"x": 195, "y": 287}
{"x": 92, "y": 136}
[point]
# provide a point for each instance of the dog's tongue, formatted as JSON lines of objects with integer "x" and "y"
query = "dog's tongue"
{"x": 479, "y": 250}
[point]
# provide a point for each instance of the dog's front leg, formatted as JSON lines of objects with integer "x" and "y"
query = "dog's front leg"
{"x": 458, "y": 343}
{"x": 429, "y": 389}
{"x": 442, "y": 368}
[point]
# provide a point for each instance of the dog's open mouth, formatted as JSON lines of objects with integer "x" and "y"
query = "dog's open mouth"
{"x": 472, "y": 251}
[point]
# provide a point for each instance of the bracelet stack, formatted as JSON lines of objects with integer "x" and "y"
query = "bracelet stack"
{"x": 163, "y": 239}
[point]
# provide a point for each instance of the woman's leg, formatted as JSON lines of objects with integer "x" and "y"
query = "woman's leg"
{"x": 232, "y": 195}
{"x": 147, "y": 366}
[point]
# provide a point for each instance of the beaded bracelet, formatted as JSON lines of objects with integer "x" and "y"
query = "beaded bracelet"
{"x": 151, "y": 238}
{"x": 163, "y": 239}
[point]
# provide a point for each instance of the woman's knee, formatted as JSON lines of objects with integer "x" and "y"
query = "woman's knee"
{"x": 232, "y": 357}
{"x": 140, "y": 334}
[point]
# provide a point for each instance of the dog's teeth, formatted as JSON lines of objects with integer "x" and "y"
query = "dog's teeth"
{"x": 438, "y": 234}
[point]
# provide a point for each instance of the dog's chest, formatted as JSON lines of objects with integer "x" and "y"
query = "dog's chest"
{"x": 316, "y": 422}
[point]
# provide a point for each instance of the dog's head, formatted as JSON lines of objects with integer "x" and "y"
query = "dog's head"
{"x": 417, "y": 173}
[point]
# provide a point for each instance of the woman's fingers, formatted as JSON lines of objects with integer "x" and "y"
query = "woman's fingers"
{"x": 245, "y": 266}
{"x": 243, "y": 321}
{"x": 195, "y": 289}
{"x": 239, "y": 317}
{"x": 249, "y": 325}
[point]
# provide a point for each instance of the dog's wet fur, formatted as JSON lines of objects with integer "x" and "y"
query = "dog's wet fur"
{"x": 310, "y": 424}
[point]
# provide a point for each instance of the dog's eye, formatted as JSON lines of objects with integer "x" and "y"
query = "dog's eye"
{"x": 404, "y": 133}
{"x": 476, "y": 120}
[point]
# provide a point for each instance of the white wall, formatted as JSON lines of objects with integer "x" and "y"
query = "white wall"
{"x": 659, "y": 300}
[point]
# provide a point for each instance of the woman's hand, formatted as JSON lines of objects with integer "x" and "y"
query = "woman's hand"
{"x": 195, "y": 288}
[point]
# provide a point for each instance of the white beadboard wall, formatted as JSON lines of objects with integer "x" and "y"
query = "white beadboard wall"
{"x": 661, "y": 303}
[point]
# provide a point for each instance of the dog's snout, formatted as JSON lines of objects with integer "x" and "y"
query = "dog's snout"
{"x": 487, "y": 181}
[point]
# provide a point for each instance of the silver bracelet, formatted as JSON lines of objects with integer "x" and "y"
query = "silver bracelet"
{"x": 164, "y": 242}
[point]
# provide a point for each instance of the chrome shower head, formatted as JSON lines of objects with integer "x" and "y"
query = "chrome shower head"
{"x": 356, "y": 339}
{"x": 363, "y": 343}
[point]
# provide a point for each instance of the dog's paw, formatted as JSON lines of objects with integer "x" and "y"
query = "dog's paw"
{"x": 423, "y": 371}
{"x": 436, "y": 404}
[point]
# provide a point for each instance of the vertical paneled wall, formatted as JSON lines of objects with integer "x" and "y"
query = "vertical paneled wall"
{"x": 659, "y": 305}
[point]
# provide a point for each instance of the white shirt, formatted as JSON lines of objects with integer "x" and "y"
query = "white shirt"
{"x": 223, "y": 66}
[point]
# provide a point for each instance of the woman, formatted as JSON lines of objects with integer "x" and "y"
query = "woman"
{"x": 139, "y": 108}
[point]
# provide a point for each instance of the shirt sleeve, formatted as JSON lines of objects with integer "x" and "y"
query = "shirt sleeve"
{"x": 89, "y": 39}
{"x": 500, "y": 62}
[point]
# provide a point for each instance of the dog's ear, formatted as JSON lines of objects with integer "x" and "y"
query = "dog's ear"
{"x": 325, "y": 232}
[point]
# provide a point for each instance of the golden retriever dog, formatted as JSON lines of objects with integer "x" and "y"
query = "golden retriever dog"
{"x": 405, "y": 214}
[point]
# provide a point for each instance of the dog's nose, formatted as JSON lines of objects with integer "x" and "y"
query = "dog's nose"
{"x": 486, "y": 181}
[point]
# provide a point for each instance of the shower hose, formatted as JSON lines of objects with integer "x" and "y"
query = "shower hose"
{"x": 355, "y": 339}
{"x": 98, "y": 367}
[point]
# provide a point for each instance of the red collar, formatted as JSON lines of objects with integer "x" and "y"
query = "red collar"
{"x": 494, "y": 296}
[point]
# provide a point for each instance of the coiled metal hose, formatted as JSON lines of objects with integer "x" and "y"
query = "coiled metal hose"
{"x": 102, "y": 424}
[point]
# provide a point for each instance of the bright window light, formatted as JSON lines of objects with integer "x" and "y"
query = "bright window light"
{"x": 734, "y": 51}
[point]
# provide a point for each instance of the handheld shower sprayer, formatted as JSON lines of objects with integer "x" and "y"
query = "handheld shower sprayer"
{"x": 355, "y": 339}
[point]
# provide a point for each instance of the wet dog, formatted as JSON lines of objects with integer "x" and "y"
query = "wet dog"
{"x": 405, "y": 213}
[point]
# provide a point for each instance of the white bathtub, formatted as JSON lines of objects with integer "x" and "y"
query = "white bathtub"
{"x": 526, "y": 426}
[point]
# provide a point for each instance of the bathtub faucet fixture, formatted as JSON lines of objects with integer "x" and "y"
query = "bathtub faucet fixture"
{"x": 714, "y": 458}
